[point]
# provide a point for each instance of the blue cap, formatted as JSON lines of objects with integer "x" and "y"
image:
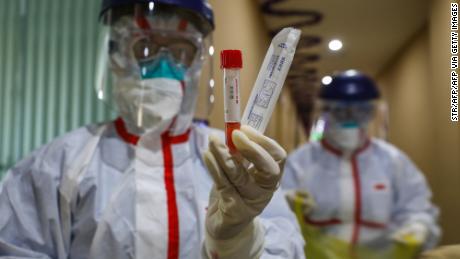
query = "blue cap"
{"x": 200, "y": 7}
{"x": 350, "y": 86}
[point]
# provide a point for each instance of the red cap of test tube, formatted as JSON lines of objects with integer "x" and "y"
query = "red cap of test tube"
{"x": 231, "y": 58}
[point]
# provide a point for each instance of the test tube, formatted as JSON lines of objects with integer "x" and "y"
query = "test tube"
{"x": 231, "y": 63}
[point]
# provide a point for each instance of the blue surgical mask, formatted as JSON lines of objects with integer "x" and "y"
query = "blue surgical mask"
{"x": 347, "y": 135}
{"x": 350, "y": 125}
{"x": 162, "y": 67}
{"x": 154, "y": 100}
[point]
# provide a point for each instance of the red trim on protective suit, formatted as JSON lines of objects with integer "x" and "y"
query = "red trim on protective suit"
{"x": 120, "y": 127}
{"x": 358, "y": 220}
{"x": 370, "y": 224}
{"x": 166, "y": 142}
{"x": 182, "y": 84}
{"x": 367, "y": 142}
{"x": 322, "y": 223}
{"x": 334, "y": 221}
{"x": 140, "y": 18}
{"x": 358, "y": 197}
{"x": 358, "y": 211}
{"x": 173, "y": 216}
{"x": 123, "y": 132}
{"x": 339, "y": 152}
{"x": 330, "y": 148}
{"x": 183, "y": 24}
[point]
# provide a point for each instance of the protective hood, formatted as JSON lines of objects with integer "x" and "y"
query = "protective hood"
{"x": 154, "y": 78}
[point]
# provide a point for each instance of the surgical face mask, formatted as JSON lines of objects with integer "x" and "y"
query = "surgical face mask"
{"x": 155, "y": 98}
{"x": 346, "y": 123}
{"x": 346, "y": 137}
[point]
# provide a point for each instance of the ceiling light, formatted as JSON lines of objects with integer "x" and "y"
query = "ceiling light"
{"x": 326, "y": 80}
{"x": 335, "y": 45}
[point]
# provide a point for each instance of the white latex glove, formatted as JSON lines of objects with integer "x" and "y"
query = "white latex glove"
{"x": 443, "y": 252}
{"x": 243, "y": 186}
{"x": 414, "y": 233}
{"x": 303, "y": 197}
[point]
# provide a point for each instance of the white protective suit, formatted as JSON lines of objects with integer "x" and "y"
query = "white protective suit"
{"x": 93, "y": 193}
{"x": 363, "y": 197}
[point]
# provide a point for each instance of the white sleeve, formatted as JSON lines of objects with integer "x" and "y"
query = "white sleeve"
{"x": 29, "y": 218}
{"x": 290, "y": 179}
{"x": 274, "y": 234}
{"x": 413, "y": 200}
{"x": 247, "y": 244}
{"x": 283, "y": 238}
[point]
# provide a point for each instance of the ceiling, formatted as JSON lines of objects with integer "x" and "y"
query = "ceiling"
{"x": 373, "y": 32}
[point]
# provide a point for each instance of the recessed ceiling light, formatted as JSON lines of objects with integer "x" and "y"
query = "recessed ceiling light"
{"x": 326, "y": 80}
{"x": 335, "y": 45}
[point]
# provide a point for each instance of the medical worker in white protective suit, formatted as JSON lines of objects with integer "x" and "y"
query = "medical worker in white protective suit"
{"x": 359, "y": 189}
{"x": 138, "y": 187}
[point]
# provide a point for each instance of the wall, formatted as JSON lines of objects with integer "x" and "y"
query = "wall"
{"x": 48, "y": 50}
{"x": 446, "y": 150}
{"x": 417, "y": 87}
{"x": 407, "y": 89}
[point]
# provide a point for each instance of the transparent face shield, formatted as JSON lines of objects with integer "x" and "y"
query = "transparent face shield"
{"x": 369, "y": 116}
{"x": 206, "y": 96}
{"x": 150, "y": 63}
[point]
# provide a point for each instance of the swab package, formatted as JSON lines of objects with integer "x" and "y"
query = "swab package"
{"x": 270, "y": 80}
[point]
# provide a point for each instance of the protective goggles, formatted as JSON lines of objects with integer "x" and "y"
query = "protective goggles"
{"x": 183, "y": 48}
{"x": 349, "y": 112}
{"x": 139, "y": 33}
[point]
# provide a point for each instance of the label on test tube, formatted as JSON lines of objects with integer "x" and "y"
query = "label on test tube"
{"x": 271, "y": 79}
{"x": 232, "y": 95}
{"x": 231, "y": 63}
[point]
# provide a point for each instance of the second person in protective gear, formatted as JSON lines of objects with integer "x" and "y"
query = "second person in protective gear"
{"x": 358, "y": 190}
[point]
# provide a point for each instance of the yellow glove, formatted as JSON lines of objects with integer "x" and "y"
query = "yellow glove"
{"x": 302, "y": 197}
{"x": 412, "y": 234}
{"x": 444, "y": 252}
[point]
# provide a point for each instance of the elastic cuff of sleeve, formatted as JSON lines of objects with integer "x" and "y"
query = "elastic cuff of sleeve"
{"x": 249, "y": 243}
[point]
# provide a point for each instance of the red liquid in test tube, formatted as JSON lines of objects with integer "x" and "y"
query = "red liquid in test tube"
{"x": 231, "y": 63}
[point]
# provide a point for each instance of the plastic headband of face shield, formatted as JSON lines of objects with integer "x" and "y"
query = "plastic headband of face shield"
{"x": 348, "y": 113}
{"x": 139, "y": 34}
{"x": 110, "y": 16}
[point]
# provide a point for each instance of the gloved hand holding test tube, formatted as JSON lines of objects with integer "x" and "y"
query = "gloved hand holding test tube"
{"x": 247, "y": 171}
